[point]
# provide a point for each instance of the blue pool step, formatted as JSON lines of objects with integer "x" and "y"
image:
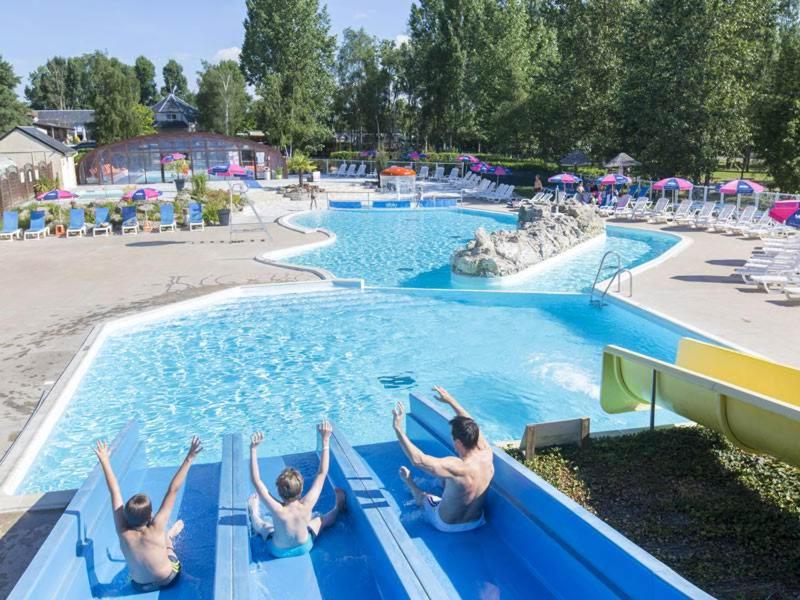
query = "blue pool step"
{"x": 536, "y": 543}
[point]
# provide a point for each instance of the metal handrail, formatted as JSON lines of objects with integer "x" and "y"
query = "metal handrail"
{"x": 616, "y": 276}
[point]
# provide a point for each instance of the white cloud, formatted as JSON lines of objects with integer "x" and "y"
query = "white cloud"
{"x": 227, "y": 54}
{"x": 401, "y": 39}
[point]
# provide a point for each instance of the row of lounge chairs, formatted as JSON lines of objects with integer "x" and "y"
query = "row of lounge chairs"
{"x": 775, "y": 267}
{"x": 78, "y": 226}
{"x": 352, "y": 170}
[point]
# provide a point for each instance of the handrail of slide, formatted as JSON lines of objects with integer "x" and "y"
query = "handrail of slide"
{"x": 571, "y": 538}
{"x": 751, "y": 420}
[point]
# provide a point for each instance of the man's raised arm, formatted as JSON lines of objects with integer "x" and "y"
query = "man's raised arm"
{"x": 164, "y": 511}
{"x": 255, "y": 474}
{"x": 438, "y": 467}
{"x": 443, "y": 396}
{"x": 117, "y": 504}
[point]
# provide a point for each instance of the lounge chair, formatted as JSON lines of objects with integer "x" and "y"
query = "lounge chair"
{"x": 454, "y": 177}
{"x": 37, "y": 229}
{"x": 501, "y": 195}
{"x": 342, "y": 170}
{"x": 744, "y": 218}
{"x": 691, "y": 215}
{"x": 101, "y": 222}
{"x": 423, "y": 172}
{"x": 196, "y": 216}
{"x": 167, "y": 217}
{"x": 725, "y": 217}
{"x": 438, "y": 174}
{"x": 639, "y": 209}
{"x": 792, "y": 293}
{"x": 11, "y": 227}
{"x": 622, "y": 208}
{"x": 130, "y": 222}
{"x": 362, "y": 170}
{"x": 491, "y": 195}
{"x": 683, "y": 211}
{"x": 659, "y": 211}
{"x": 77, "y": 222}
{"x": 351, "y": 170}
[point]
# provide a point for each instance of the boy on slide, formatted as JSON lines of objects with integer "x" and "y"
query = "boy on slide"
{"x": 294, "y": 526}
{"x": 466, "y": 476}
{"x": 146, "y": 543}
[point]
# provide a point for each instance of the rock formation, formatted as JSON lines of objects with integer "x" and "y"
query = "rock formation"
{"x": 541, "y": 234}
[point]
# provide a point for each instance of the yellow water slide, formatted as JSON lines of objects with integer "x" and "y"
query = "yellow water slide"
{"x": 754, "y": 402}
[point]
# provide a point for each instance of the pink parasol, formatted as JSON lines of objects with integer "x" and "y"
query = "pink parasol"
{"x": 564, "y": 178}
{"x": 613, "y": 179}
{"x": 172, "y": 158}
{"x": 741, "y": 186}
{"x": 784, "y": 209}
{"x": 673, "y": 183}
{"x": 142, "y": 194}
{"x": 468, "y": 158}
{"x": 229, "y": 170}
{"x": 57, "y": 194}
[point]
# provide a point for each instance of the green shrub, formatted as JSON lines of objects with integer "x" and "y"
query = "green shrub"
{"x": 199, "y": 185}
{"x": 45, "y": 184}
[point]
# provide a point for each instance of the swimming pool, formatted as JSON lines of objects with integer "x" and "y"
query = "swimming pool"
{"x": 412, "y": 248}
{"x": 280, "y": 362}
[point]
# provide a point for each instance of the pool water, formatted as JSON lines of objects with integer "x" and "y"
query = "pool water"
{"x": 279, "y": 363}
{"x": 412, "y": 248}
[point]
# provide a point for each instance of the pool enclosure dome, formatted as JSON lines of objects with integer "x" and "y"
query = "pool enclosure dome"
{"x": 137, "y": 160}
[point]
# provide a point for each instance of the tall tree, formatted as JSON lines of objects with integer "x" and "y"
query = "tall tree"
{"x": 175, "y": 81}
{"x": 116, "y": 102}
{"x": 777, "y": 115}
{"x": 47, "y": 88}
{"x": 12, "y": 111}
{"x": 222, "y": 97}
{"x": 287, "y": 55}
{"x": 146, "y": 74}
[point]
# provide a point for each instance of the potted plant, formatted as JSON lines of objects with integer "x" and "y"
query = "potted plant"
{"x": 300, "y": 163}
{"x": 181, "y": 169}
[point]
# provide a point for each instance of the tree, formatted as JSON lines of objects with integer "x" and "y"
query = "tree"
{"x": 118, "y": 114}
{"x": 146, "y": 74}
{"x": 12, "y": 111}
{"x": 222, "y": 97}
{"x": 175, "y": 81}
{"x": 287, "y": 55}
{"x": 778, "y": 115}
{"x": 300, "y": 163}
{"x": 47, "y": 87}
{"x": 359, "y": 105}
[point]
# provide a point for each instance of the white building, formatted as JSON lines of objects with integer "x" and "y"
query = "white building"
{"x": 32, "y": 151}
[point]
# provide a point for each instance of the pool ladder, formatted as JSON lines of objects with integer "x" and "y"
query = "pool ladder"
{"x": 619, "y": 271}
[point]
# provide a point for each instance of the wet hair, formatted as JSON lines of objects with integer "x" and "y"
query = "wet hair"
{"x": 290, "y": 484}
{"x": 138, "y": 510}
{"x": 466, "y": 431}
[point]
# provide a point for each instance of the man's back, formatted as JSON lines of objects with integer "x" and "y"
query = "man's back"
{"x": 465, "y": 491}
{"x": 145, "y": 551}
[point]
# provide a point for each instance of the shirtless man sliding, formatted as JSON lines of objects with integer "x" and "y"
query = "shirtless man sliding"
{"x": 466, "y": 476}
{"x": 145, "y": 542}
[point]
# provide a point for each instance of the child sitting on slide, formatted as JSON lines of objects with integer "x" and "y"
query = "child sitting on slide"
{"x": 145, "y": 542}
{"x": 294, "y": 526}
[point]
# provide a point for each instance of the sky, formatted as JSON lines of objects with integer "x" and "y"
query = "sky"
{"x": 188, "y": 32}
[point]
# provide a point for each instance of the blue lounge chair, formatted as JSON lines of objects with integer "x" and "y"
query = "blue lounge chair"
{"x": 11, "y": 227}
{"x": 101, "y": 222}
{"x": 196, "y": 216}
{"x": 130, "y": 223}
{"x": 167, "y": 217}
{"x": 38, "y": 228}
{"x": 77, "y": 222}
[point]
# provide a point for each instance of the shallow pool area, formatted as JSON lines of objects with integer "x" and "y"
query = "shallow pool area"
{"x": 279, "y": 363}
{"x": 412, "y": 248}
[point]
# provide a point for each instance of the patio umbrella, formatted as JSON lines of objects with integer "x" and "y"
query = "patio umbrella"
{"x": 172, "y": 158}
{"x": 480, "y": 167}
{"x": 621, "y": 161}
{"x": 498, "y": 171}
{"x": 229, "y": 170}
{"x": 565, "y": 178}
{"x": 613, "y": 179}
{"x": 673, "y": 183}
{"x": 794, "y": 220}
{"x": 144, "y": 195}
{"x": 468, "y": 158}
{"x": 784, "y": 209}
{"x": 738, "y": 187}
{"x": 56, "y": 194}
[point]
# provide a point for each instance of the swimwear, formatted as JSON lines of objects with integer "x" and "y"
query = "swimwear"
{"x": 161, "y": 583}
{"x": 431, "y": 509}
{"x": 298, "y": 550}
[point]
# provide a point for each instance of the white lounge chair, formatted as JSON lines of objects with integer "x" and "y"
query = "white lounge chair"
{"x": 351, "y": 170}
{"x": 725, "y": 217}
{"x": 744, "y": 218}
{"x": 438, "y": 175}
{"x": 454, "y": 177}
{"x": 659, "y": 211}
{"x": 362, "y": 170}
{"x": 639, "y": 209}
{"x": 502, "y": 196}
{"x": 423, "y": 172}
{"x": 342, "y": 170}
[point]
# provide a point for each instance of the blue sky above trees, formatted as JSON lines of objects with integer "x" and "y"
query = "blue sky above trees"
{"x": 160, "y": 30}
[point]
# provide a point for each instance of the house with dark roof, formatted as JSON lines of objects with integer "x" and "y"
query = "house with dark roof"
{"x": 68, "y": 126}
{"x": 35, "y": 154}
{"x": 173, "y": 113}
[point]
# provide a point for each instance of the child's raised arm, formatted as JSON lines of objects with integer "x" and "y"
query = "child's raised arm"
{"x": 255, "y": 475}
{"x": 104, "y": 457}
{"x": 162, "y": 516}
{"x": 325, "y": 429}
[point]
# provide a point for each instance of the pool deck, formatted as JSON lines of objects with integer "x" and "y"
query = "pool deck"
{"x": 57, "y": 290}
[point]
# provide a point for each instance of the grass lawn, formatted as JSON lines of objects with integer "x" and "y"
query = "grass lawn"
{"x": 726, "y": 520}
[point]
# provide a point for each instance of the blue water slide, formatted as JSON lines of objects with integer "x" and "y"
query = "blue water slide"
{"x": 344, "y": 204}
{"x": 81, "y": 557}
{"x": 536, "y": 543}
{"x": 366, "y": 554}
{"x": 391, "y": 204}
